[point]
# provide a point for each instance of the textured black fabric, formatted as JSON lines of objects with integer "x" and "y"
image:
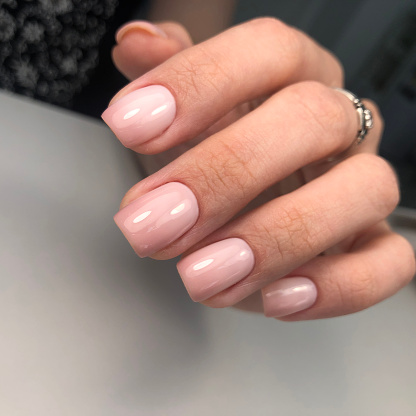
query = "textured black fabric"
{"x": 105, "y": 81}
{"x": 48, "y": 48}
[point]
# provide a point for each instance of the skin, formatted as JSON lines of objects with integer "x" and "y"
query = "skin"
{"x": 258, "y": 162}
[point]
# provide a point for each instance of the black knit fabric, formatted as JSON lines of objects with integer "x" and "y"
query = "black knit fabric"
{"x": 48, "y": 48}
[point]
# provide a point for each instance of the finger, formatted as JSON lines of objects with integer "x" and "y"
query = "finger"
{"x": 342, "y": 284}
{"x": 302, "y": 123}
{"x": 370, "y": 144}
{"x": 201, "y": 84}
{"x": 291, "y": 230}
{"x": 141, "y": 46}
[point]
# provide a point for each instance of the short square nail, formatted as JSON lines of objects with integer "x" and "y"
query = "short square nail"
{"x": 214, "y": 268}
{"x": 141, "y": 115}
{"x": 289, "y": 295}
{"x": 158, "y": 218}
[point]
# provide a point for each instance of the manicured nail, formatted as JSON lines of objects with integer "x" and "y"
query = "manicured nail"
{"x": 139, "y": 26}
{"x": 158, "y": 218}
{"x": 141, "y": 115}
{"x": 216, "y": 267}
{"x": 288, "y": 295}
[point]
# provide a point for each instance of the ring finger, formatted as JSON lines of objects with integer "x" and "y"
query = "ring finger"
{"x": 273, "y": 240}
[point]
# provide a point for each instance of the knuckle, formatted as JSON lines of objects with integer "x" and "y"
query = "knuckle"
{"x": 385, "y": 193}
{"x": 232, "y": 169}
{"x": 352, "y": 291}
{"x": 361, "y": 289}
{"x": 223, "y": 171}
{"x": 364, "y": 286}
{"x": 321, "y": 109}
{"x": 268, "y": 26}
{"x": 205, "y": 173}
{"x": 198, "y": 71}
{"x": 272, "y": 30}
{"x": 184, "y": 75}
{"x": 289, "y": 235}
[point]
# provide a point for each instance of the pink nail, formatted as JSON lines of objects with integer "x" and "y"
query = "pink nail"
{"x": 158, "y": 218}
{"x": 139, "y": 26}
{"x": 288, "y": 295}
{"x": 216, "y": 267}
{"x": 141, "y": 115}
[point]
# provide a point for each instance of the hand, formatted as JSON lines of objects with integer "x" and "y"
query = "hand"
{"x": 258, "y": 100}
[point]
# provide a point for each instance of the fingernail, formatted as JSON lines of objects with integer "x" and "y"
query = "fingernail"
{"x": 216, "y": 267}
{"x": 141, "y": 115}
{"x": 139, "y": 26}
{"x": 288, "y": 295}
{"x": 158, "y": 218}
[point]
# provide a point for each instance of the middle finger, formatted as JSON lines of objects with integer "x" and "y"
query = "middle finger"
{"x": 208, "y": 185}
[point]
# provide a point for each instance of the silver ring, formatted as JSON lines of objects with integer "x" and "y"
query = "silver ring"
{"x": 365, "y": 117}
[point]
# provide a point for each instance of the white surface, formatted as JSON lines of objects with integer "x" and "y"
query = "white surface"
{"x": 88, "y": 329}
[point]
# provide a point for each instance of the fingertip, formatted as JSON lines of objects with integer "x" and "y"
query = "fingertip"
{"x": 141, "y": 26}
{"x": 142, "y": 46}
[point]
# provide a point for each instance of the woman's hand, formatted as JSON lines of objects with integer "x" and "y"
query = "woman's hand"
{"x": 254, "y": 200}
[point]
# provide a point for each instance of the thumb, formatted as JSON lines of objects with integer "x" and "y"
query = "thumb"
{"x": 142, "y": 46}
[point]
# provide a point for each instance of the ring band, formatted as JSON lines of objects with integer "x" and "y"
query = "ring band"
{"x": 365, "y": 116}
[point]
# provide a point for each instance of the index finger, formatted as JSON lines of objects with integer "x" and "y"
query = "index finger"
{"x": 185, "y": 95}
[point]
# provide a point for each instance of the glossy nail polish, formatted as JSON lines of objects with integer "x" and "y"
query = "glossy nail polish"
{"x": 139, "y": 26}
{"x": 158, "y": 218}
{"x": 216, "y": 267}
{"x": 141, "y": 115}
{"x": 288, "y": 295}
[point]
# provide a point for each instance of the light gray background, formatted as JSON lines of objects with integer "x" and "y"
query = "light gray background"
{"x": 89, "y": 329}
